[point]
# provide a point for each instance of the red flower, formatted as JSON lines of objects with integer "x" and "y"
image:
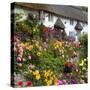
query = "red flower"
{"x": 28, "y": 83}
{"x": 20, "y": 83}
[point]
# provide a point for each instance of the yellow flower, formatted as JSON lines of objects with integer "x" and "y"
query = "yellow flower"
{"x": 30, "y": 71}
{"x": 49, "y": 82}
{"x": 85, "y": 60}
{"x": 51, "y": 73}
{"x": 37, "y": 44}
{"x": 55, "y": 81}
{"x": 51, "y": 78}
{"x": 54, "y": 76}
{"x": 44, "y": 71}
{"x": 38, "y": 53}
{"x": 83, "y": 68}
{"x": 46, "y": 80}
{"x": 34, "y": 29}
{"x": 36, "y": 72}
{"x": 45, "y": 74}
{"x": 58, "y": 44}
{"x": 40, "y": 48}
{"x": 45, "y": 49}
{"x": 82, "y": 63}
{"x": 22, "y": 45}
{"x": 37, "y": 76}
{"x": 20, "y": 65}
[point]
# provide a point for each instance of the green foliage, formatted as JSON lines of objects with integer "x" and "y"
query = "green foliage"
{"x": 84, "y": 43}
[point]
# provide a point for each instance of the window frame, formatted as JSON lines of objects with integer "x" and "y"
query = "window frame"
{"x": 71, "y": 22}
{"x": 50, "y": 17}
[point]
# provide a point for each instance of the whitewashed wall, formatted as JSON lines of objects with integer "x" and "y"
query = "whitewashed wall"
{"x": 68, "y": 26}
{"x": 46, "y": 22}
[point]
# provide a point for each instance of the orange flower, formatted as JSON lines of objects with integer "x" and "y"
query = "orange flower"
{"x": 29, "y": 47}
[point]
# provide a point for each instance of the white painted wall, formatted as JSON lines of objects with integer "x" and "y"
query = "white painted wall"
{"x": 68, "y": 26}
{"x": 46, "y": 22}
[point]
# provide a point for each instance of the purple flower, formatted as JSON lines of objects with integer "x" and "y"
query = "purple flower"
{"x": 67, "y": 75}
{"x": 74, "y": 81}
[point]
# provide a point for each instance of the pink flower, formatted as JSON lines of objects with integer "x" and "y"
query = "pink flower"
{"x": 20, "y": 51}
{"x": 19, "y": 59}
{"x": 31, "y": 66}
{"x": 60, "y": 82}
{"x": 64, "y": 82}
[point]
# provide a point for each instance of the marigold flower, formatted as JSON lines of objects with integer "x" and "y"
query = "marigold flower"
{"x": 29, "y": 47}
{"x": 58, "y": 44}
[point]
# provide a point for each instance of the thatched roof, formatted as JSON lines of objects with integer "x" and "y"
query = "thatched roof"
{"x": 78, "y": 26}
{"x": 59, "y": 24}
{"x": 71, "y": 12}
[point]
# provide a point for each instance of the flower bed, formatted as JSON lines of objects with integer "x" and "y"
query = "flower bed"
{"x": 39, "y": 62}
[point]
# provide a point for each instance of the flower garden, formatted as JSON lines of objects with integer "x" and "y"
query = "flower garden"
{"x": 42, "y": 61}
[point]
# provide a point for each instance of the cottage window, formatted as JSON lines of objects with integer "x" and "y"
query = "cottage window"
{"x": 50, "y": 17}
{"x": 83, "y": 24}
{"x": 42, "y": 15}
{"x": 71, "y": 22}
